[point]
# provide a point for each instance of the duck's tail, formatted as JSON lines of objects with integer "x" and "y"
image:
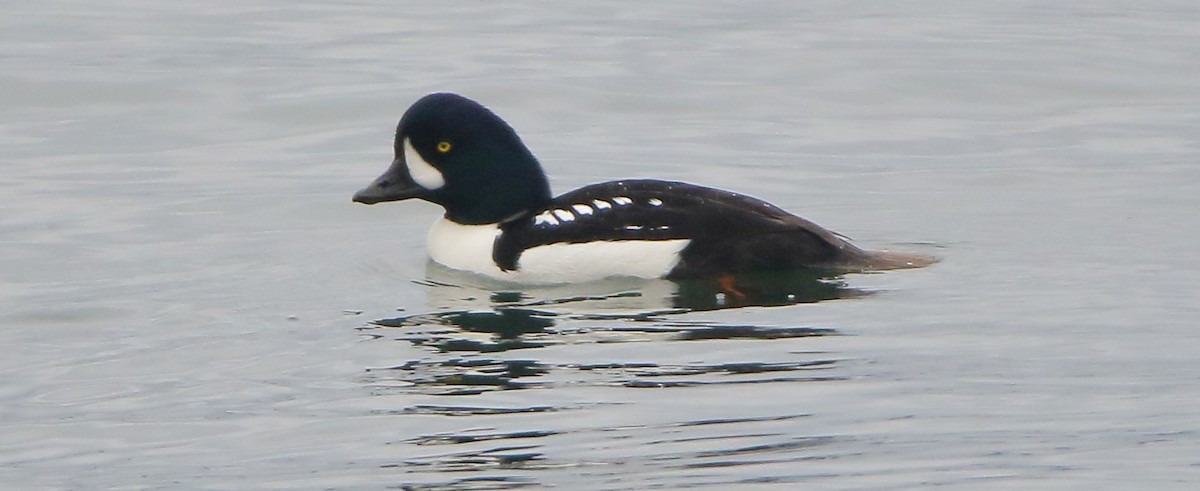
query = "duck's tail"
{"x": 886, "y": 260}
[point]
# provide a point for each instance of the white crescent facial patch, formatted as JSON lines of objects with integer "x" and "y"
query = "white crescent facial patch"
{"x": 423, "y": 173}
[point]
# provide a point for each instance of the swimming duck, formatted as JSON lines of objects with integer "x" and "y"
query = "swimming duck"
{"x": 501, "y": 220}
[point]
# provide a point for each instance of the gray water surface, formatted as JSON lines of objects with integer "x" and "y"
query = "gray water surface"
{"x": 188, "y": 298}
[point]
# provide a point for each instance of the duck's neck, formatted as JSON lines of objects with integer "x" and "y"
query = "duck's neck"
{"x": 501, "y": 199}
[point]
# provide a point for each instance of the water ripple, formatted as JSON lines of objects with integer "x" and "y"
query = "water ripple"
{"x": 468, "y": 350}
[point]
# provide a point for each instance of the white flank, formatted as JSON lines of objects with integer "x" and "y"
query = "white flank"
{"x": 622, "y": 200}
{"x": 469, "y": 248}
{"x": 655, "y": 202}
{"x": 423, "y": 173}
{"x": 582, "y": 209}
{"x": 601, "y": 204}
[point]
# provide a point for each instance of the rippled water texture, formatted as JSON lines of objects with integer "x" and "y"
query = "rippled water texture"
{"x": 188, "y": 298}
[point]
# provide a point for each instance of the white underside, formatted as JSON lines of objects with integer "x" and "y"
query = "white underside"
{"x": 469, "y": 248}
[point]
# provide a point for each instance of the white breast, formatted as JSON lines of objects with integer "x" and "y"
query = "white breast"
{"x": 469, "y": 248}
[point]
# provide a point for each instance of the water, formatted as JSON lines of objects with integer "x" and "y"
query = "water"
{"x": 187, "y": 293}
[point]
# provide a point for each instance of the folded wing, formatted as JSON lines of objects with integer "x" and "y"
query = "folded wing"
{"x": 729, "y": 232}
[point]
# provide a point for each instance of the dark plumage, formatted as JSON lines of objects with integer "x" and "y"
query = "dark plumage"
{"x": 476, "y": 167}
{"x": 730, "y": 233}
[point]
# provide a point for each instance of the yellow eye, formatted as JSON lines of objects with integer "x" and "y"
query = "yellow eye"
{"x": 443, "y": 146}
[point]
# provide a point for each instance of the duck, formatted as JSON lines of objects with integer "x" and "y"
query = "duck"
{"x": 501, "y": 220}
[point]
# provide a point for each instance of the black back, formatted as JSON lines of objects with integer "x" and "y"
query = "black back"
{"x": 730, "y": 233}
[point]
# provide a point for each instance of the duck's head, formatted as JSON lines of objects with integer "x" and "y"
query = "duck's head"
{"x": 454, "y": 152}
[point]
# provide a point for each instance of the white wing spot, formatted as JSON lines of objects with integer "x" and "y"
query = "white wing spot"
{"x": 601, "y": 204}
{"x": 582, "y": 209}
{"x": 633, "y": 227}
{"x": 655, "y": 202}
{"x": 622, "y": 200}
{"x": 545, "y": 218}
{"x": 564, "y": 215}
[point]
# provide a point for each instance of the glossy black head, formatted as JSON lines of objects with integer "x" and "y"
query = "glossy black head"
{"x": 452, "y": 151}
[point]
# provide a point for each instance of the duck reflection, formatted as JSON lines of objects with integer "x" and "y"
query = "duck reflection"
{"x": 470, "y": 315}
{"x": 456, "y": 289}
{"x": 485, "y": 337}
{"x": 482, "y": 340}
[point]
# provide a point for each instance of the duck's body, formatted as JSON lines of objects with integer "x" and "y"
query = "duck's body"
{"x": 501, "y": 221}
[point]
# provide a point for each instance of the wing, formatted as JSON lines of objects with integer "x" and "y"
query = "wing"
{"x": 728, "y": 231}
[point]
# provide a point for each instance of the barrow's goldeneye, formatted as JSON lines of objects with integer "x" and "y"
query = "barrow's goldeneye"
{"x": 502, "y": 222}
